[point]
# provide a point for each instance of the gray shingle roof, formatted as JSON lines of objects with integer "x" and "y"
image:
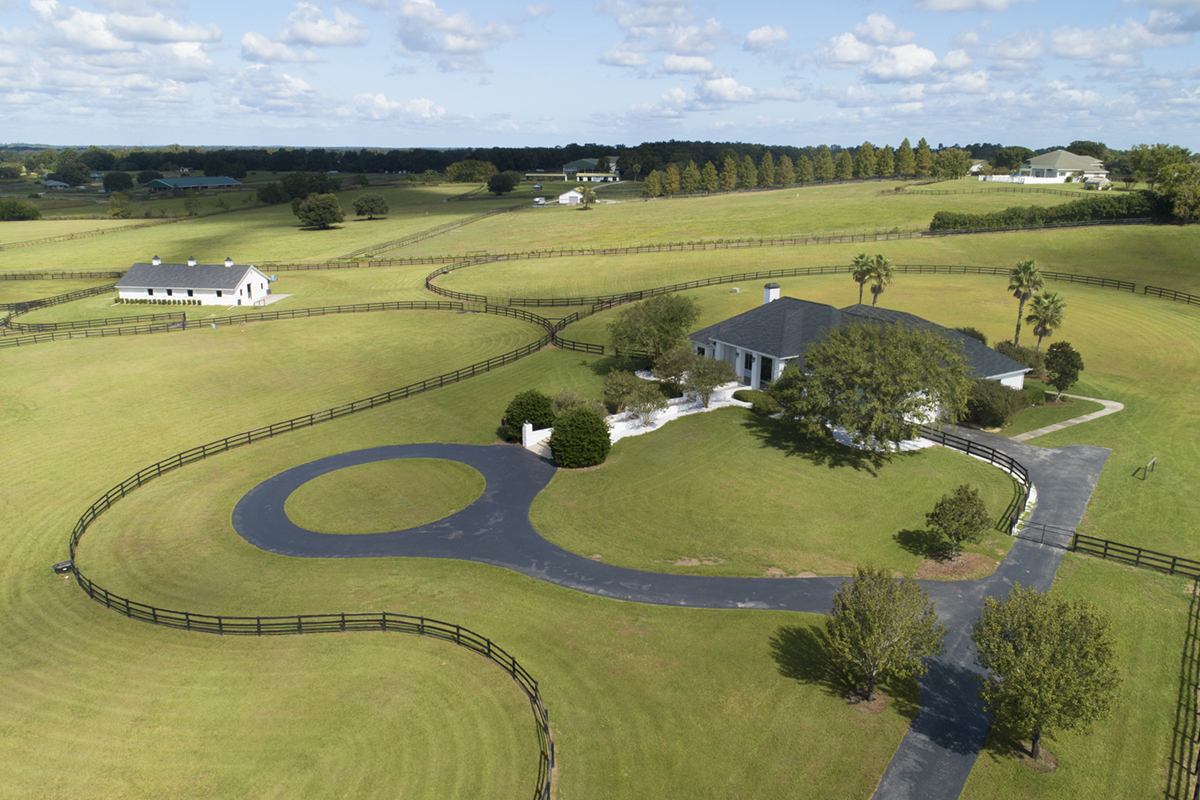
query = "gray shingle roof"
{"x": 1065, "y": 160}
{"x": 190, "y": 183}
{"x": 182, "y": 276}
{"x": 785, "y": 328}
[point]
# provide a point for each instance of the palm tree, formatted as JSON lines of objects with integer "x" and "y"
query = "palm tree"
{"x": 1024, "y": 280}
{"x": 1045, "y": 314}
{"x": 861, "y": 272}
{"x": 881, "y": 276}
{"x": 589, "y": 195}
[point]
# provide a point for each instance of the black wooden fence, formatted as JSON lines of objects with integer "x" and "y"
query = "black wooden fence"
{"x": 1184, "y": 767}
{"x": 58, "y": 276}
{"x": 1135, "y": 556}
{"x": 993, "y": 457}
{"x": 1171, "y": 294}
{"x": 261, "y": 626}
{"x": 429, "y": 233}
{"x": 42, "y": 327}
{"x": 46, "y": 302}
{"x": 1052, "y": 535}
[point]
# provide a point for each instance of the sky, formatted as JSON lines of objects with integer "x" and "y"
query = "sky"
{"x": 448, "y": 73}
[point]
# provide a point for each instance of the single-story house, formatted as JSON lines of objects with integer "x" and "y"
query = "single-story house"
{"x": 1060, "y": 165}
{"x": 587, "y": 166}
{"x": 57, "y": 185}
{"x": 212, "y": 284}
{"x": 760, "y": 342}
{"x": 571, "y": 198}
{"x": 169, "y": 184}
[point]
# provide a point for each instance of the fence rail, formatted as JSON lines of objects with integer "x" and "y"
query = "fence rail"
{"x": 396, "y": 244}
{"x": 1052, "y": 535}
{"x": 64, "y": 237}
{"x": 1135, "y": 556}
{"x": 998, "y": 189}
{"x": 41, "y": 327}
{"x": 345, "y": 623}
{"x": 321, "y": 622}
{"x": 47, "y": 302}
{"x": 993, "y": 457}
{"x": 1171, "y": 294}
{"x": 58, "y": 276}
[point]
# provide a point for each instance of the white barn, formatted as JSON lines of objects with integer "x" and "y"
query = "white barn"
{"x": 571, "y": 198}
{"x": 762, "y": 341}
{"x": 225, "y": 284}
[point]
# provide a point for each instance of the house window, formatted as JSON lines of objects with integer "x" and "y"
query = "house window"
{"x": 749, "y": 361}
{"x": 699, "y": 351}
{"x": 150, "y": 292}
{"x": 218, "y": 292}
{"x": 170, "y": 292}
{"x": 190, "y": 292}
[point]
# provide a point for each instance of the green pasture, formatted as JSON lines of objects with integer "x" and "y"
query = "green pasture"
{"x": 1129, "y": 755}
{"x": 261, "y": 233}
{"x": 644, "y": 701}
{"x": 1155, "y": 255}
{"x": 35, "y": 229}
{"x": 635, "y": 715}
{"x": 820, "y": 209}
{"x": 1030, "y": 419}
{"x": 23, "y": 291}
{"x": 384, "y": 496}
{"x": 731, "y": 493}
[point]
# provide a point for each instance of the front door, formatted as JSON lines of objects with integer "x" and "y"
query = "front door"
{"x": 765, "y": 370}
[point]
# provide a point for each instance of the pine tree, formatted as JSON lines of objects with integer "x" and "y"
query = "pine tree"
{"x": 843, "y": 166}
{"x": 729, "y": 174}
{"x": 689, "y": 181}
{"x": 923, "y": 160}
{"x": 709, "y": 180}
{"x": 653, "y": 185}
{"x": 823, "y": 167}
{"x": 747, "y": 173}
{"x": 671, "y": 180}
{"x": 905, "y": 161}
{"x": 785, "y": 173}
{"x": 766, "y": 170}
{"x": 864, "y": 161}
{"x": 885, "y": 161}
{"x": 804, "y": 170}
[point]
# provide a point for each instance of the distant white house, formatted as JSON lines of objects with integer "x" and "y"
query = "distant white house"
{"x": 571, "y": 198}
{"x": 225, "y": 284}
{"x": 56, "y": 185}
{"x": 1057, "y": 166}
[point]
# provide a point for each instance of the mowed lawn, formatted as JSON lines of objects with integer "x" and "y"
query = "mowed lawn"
{"x": 730, "y": 493}
{"x": 667, "y": 701}
{"x": 645, "y": 701}
{"x": 1130, "y": 754}
{"x": 818, "y": 209}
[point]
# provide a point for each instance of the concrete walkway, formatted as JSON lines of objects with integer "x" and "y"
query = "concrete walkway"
{"x": 1110, "y": 407}
{"x": 937, "y": 753}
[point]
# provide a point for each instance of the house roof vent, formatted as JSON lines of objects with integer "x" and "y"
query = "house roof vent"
{"x": 156, "y": 261}
{"x": 191, "y": 261}
{"x": 228, "y": 261}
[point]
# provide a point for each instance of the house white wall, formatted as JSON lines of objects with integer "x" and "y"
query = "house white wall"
{"x": 253, "y": 286}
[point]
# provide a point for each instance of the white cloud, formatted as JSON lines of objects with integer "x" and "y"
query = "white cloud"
{"x": 1117, "y": 45}
{"x": 456, "y": 41}
{"x": 954, "y": 61}
{"x": 158, "y": 28}
{"x": 907, "y": 109}
{"x": 901, "y": 63}
{"x": 259, "y": 89}
{"x": 846, "y": 51}
{"x": 763, "y": 39}
{"x": 537, "y": 12}
{"x": 378, "y": 107}
{"x": 722, "y": 91}
{"x": 783, "y": 93}
{"x": 968, "y": 5}
{"x": 1064, "y": 95}
{"x": 692, "y": 39}
{"x": 687, "y": 64}
{"x": 878, "y": 29}
{"x": 81, "y": 31}
{"x": 913, "y": 91}
{"x": 616, "y": 57}
{"x": 256, "y": 47}
{"x": 966, "y": 83}
{"x": 308, "y": 26}
{"x": 1018, "y": 52}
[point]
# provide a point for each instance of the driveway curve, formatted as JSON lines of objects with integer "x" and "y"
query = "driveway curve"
{"x": 937, "y": 753}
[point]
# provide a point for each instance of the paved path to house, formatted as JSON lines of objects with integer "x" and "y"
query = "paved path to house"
{"x": 937, "y": 753}
{"x": 1110, "y": 407}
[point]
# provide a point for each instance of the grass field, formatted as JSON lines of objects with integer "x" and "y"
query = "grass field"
{"x": 644, "y": 701}
{"x": 32, "y": 230}
{"x": 1030, "y": 419}
{"x": 730, "y": 493}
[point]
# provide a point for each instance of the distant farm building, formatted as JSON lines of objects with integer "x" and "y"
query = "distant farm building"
{"x": 170, "y": 184}
{"x": 225, "y": 284}
{"x": 571, "y": 198}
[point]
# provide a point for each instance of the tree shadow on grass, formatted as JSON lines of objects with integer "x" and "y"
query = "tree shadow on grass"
{"x": 820, "y": 450}
{"x": 802, "y": 653}
{"x": 924, "y": 543}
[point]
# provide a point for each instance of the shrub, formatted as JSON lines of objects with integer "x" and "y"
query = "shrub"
{"x": 1132, "y": 205}
{"x": 1036, "y": 395}
{"x": 580, "y": 439}
{"x": 991, "y": 403}
{"x": 974, "y": 333}
{"x": 1025, "y": 355}
{"x": 530, "y": 406}
{"x": 568, "y": 399}
{"x": 761, "y": 403}
{"x": 12, "y": 210}
{"x": 619, "y": 386}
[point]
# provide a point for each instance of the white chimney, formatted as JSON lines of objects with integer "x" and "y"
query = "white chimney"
{"x": 156, "y": 261}
{"x": 191, "y": 261}
{"x": 770, "y": 293}
{"x": 228, "y": 261}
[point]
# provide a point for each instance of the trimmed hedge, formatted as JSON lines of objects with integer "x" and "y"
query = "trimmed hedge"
{"x": 1127, "y": 205}
{"x": 580, "y": 439}
{"x": 991, "y": 403}
{"x": 1031, "y": 358}
{"x": 530, "y": 406}
{"x": 761, "y": 403}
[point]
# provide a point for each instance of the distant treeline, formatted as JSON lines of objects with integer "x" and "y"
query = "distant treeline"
{"x": 1129, "y": 205}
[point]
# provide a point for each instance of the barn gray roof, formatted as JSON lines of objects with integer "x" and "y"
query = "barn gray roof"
{"x": 182, "y": 276}
{"x": 785, "y": 328}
